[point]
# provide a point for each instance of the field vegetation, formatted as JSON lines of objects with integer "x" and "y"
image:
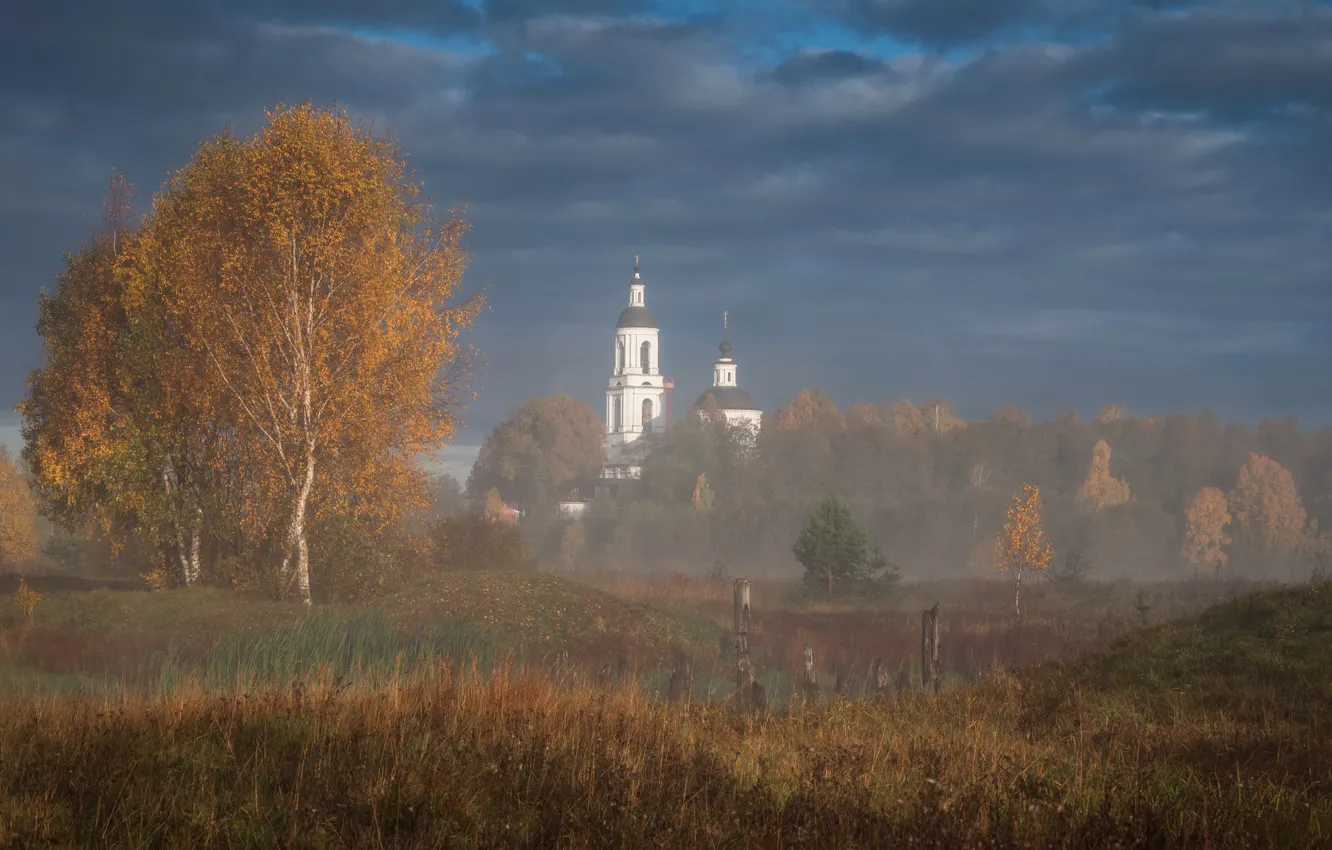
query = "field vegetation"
{"x": 1203, "y": 731}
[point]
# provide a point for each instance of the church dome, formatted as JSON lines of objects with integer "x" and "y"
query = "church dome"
{"x": 636, "y": 317}
{"x": 727, "y": 398}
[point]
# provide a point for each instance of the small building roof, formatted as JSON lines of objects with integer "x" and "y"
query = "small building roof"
{"x": 727, "y": 398}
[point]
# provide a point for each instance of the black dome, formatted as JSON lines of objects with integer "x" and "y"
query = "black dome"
{"x": 727, "y": 398}
{"x": 636, "y": 317}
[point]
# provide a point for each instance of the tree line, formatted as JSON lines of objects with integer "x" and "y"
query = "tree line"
{"x": 1141, "y": 496}
{"x": 243, "y": 382}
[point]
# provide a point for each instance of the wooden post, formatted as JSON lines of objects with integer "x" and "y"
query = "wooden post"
{"x": 937, "y": 666}
{"x": 743, "y": 674}
{"x": 809, "y": 688}
{"x": 929, "y": 648}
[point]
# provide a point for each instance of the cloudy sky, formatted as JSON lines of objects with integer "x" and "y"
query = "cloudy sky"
{"x": 1055, "y": 203}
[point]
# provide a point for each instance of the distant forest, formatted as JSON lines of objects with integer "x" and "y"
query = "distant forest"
{"x": 1172, "y": 496}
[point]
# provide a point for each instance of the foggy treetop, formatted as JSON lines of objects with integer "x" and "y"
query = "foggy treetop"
{"x": 1050, "y": 204}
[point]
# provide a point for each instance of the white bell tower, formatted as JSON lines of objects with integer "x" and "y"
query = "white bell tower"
{"x": 636, "y": 397}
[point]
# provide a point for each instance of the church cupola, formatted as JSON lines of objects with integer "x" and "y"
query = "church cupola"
{"x": 636, "y": 315}
{"x": 723, "y": 371}
{"x": 725, "y": 394}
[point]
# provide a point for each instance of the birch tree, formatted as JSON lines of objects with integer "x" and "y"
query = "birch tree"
{"x": 302, "y": 267}
{"x": 1022, "y": 547}
{"x": 1205, "y": 539}
{"x": 109, "y": 431}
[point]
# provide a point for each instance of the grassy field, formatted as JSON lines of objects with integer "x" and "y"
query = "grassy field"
{"x": 355, "y": 728}
{"x": 108, "y": 640}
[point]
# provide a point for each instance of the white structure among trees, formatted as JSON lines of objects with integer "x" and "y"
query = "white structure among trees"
{"x": 734, "y": 403}
{"x": 637, "y": 396}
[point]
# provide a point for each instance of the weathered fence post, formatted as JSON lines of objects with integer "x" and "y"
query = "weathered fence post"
{"x": 743, "y": 673}
{"x": 809, "y": 688}
{"x": 681, "y": 684}
{"x": 929, "y": 648}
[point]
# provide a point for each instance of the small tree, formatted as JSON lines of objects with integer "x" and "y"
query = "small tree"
{"x": 573, "y": 545}
{"x": 837, "y": 553}
{"x": 1023, "y": 548}
{"x": 493, "y": 506}
{"x": 1205, "y": 538}
{"x": 26, "y": 598}
{"x": 703, "y": 496}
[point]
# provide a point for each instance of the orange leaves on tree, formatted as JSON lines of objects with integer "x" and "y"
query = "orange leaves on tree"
{"x": 1101, "y": 490}
{"x": 1205, "y": 521}
{"x": 299, "y": 266}
{"x": 1268, "y": 514}
{"x": 809, "y": 409}
{"x": 704, "y": 496}
{"x": 18, "y": 517}
{"x": 1022, "y": 547}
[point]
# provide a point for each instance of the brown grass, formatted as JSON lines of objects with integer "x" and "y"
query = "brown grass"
{"x": 1208, "y": 732}
{"x": 520, "y": 762}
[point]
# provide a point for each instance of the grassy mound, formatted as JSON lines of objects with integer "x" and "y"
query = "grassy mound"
{"x": 1263, "y": 659}
{"x": 542, "y": 611}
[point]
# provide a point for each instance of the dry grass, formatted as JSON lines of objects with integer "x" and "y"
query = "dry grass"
{"x": 461, "y": 761}
{"x": 1208, "y": 732}
{"x": 1137, "y": 747}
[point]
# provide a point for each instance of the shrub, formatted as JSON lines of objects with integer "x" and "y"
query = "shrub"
{"x": 361, "y": 559}
{"x": 472, "y": 542}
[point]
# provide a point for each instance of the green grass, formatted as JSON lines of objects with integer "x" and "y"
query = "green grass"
{"x": 94, "y": 640}
{"x": 353, "y": 646}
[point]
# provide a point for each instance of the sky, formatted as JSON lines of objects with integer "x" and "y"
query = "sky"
{"x": 1051, "y": 203}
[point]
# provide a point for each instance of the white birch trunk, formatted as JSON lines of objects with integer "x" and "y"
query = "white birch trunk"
{"x": 297, "y": 535}
{"x": 196, "y": 534}
{"x": 182, "y": 553}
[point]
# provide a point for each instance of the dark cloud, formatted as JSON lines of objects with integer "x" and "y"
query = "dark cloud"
{"x": 1232, "y": 65}
{"x": 812, "y": 66}
{"x": 1142, "y": 215}
{"x": 947, "y": 22}
{"x": 507, "y": 11}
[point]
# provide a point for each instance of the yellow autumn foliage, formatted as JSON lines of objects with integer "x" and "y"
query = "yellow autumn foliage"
{"x": 1101, "y": 490}
{"x": 1205, "y": 522}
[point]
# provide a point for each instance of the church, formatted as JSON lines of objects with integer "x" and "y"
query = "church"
{"x": 638, "y": 396}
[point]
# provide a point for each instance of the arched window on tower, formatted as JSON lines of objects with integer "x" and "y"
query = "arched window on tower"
{"x": 618, "y": 407}
{"x": 645, "y": 356}
{"x": 647, "y": 413}
{"x": 619, "y": 356}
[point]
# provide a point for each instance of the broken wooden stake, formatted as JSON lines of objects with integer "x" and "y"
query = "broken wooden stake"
{"x": 929, "y": 648}
{"x": 744, "y": 674}
{"x": 809, "y": 686}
